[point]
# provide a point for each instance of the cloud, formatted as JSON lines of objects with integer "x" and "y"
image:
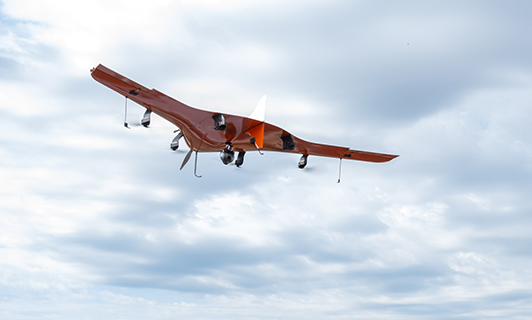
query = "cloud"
{"x": 98, "y": 220}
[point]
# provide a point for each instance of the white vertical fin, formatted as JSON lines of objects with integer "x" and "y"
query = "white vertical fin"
{"x": 260, "y": 110}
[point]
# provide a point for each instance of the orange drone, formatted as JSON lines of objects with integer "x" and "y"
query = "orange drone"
{"x": 208, "y": 131}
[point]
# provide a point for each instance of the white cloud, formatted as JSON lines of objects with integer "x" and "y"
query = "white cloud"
{"x": 97, "y": 220}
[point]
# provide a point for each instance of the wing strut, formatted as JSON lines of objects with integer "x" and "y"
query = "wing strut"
{"x": 196, "y": 164}
{"x": 340, "y": 170}
{"x": 125, "y": 116}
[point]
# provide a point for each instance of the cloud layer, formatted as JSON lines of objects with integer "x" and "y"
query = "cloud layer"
{"x": 98, "y": 221}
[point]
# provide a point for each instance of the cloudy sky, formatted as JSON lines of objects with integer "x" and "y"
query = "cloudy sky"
{"x": 97, "y": 221}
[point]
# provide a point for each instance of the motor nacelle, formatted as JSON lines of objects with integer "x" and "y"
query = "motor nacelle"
{"x": 240, "y": 158}
{"x": 227, "y": 156}
{"x": 175, "y": 142}
{"x": 288, "y": 142}
{"x": 303, "y": 161}
{"x": 219, "y": 122}
{"x": 146, "y": 119}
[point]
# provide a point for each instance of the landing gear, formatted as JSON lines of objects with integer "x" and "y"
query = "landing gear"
{"x": 240, "y": 158}
{"x": 303, "y": 161}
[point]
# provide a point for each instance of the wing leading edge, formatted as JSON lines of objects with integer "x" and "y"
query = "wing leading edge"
{"x": 202, "y": 134}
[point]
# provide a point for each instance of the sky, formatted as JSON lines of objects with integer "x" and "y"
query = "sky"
{"x": 98, "y": 222}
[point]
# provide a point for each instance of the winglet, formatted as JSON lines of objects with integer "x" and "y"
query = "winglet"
{"x": 260, "y": 110}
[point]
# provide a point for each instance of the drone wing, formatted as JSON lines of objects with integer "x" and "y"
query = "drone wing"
{"x": 277, "y": 139}
{"x": 208, "y": 131}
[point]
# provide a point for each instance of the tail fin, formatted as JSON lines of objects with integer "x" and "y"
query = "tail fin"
{"x": 260, "y": 110}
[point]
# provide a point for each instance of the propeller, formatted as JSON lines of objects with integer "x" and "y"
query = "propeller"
{"x": 187, "y": 157}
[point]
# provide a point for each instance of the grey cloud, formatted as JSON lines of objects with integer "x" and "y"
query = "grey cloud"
{"x": 8, "y": 68}
{"x": 340, "y": 54}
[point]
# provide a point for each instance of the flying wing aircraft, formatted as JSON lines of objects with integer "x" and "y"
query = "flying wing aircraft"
{"x": 208, "y": 131}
